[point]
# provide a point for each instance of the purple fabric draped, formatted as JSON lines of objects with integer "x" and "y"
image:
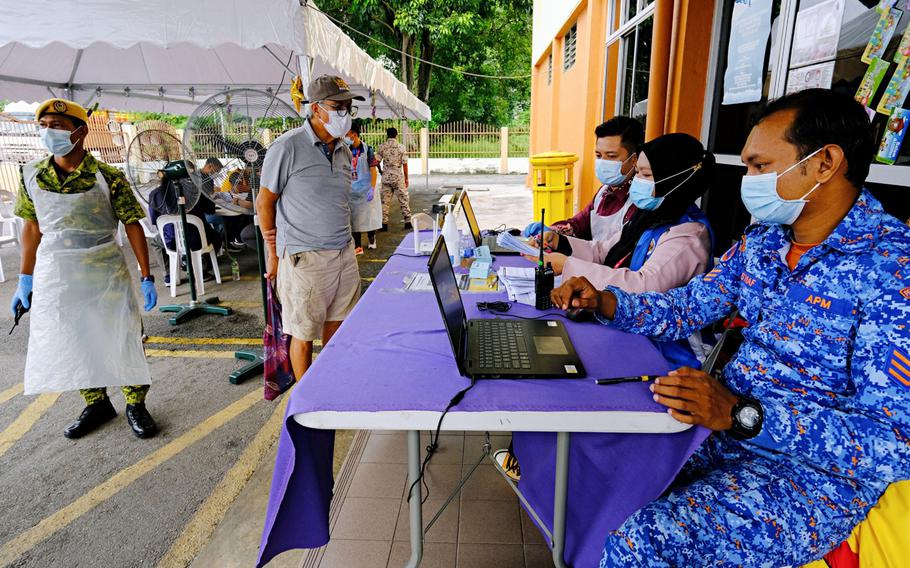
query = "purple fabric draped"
{"x": 392, "y": 354}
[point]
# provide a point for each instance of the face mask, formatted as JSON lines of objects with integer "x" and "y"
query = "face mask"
{"x": 347, "y": 141}
{"x": 56, "y": 141}
{"x": 759, "y": 195}
{"x": 641, "y": 192}
{"x": 609, "y": 172}
{"x": 337, "y": 126}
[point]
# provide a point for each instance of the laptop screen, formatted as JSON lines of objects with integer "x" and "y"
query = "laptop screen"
{"x": 472, "y": 220}
{"x": 446, "y": 288}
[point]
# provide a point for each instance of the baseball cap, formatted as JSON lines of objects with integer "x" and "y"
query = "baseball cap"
{"x": 330, "y": 88}
{"x": 64, "y": 107}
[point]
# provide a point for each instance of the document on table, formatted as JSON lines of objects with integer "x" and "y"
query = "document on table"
{"x": 509, "y": 241}
{"x": 420, "y": 282}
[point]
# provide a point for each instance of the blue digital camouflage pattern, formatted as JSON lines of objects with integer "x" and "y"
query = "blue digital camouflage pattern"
{"x": 826, "y": 353}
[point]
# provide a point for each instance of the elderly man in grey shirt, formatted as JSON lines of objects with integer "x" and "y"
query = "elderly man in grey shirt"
{"x": 305, "y": 217}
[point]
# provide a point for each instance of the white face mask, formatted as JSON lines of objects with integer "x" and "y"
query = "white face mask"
{"x": 337, "y": 126}
{"x": 609, "y": 172}
{"x": 56, "y": 141}
{"x": 759, "y": 195}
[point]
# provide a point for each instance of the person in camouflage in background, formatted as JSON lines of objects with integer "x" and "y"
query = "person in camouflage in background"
{"x": 811, "y": 417}
{"x": 394, "y": 168}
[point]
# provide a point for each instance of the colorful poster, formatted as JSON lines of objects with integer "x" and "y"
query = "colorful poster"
{"x": 810, "y": 77}
{"x": 884, "y": 31}
{"x": 896, "y": 91}
{"x": 749, "y": 33}
{"x": 903, "y": 49}
{"x": 884, "y": 5}
{"x": 890, "y": 147}
{"x": 816, "y": 33}
{"x": 871, "y": 80}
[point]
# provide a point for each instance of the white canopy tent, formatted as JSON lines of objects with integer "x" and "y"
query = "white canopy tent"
{"x": 168, "y": 55}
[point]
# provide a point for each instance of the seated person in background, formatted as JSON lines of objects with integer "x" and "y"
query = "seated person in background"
{"x": 163, "y": 201}
{"x": 667, "y": 239}
{"x": 618, "y": 141}
{"x": 240, "y": 196}
{"x": 810, "y": 419}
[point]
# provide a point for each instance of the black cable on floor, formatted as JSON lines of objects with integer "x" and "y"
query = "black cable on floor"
{"x": 434, "y": 441}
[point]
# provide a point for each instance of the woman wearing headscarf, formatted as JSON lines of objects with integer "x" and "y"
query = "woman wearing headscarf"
{"x": 667, "y": 241}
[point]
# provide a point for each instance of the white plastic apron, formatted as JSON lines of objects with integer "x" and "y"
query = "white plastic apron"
{"x": 602, "y": 228}
{"x": 365, "y": 215}
{"x": 85, "y": 329}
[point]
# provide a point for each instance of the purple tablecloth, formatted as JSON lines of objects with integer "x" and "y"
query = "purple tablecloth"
{"x": 392, "y": 353}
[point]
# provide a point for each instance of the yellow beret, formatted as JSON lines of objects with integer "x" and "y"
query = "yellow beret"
{"x": 62, "y": 106}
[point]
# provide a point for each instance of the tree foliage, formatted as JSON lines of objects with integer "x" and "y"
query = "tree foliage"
{"x": 490, "y": 37}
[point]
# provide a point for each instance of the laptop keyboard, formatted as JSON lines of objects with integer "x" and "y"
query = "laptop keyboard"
{"x": 502, "y": 345}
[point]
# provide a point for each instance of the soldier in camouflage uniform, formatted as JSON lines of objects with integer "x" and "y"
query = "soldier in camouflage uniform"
{"x": 394, "y": 168}
{"x": 811, "y": 419}
{"x": 77, "y": 174}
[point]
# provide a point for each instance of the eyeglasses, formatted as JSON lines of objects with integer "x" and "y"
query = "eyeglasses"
{"x": 342, "y": 112}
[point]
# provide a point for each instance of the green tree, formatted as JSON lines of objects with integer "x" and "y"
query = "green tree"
{"x": 489, "y": 37}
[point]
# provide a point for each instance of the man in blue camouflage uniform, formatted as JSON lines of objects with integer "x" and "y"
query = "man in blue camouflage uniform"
{"x": 824, "y": 365}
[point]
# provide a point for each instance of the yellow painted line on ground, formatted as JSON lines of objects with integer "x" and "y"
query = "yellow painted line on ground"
{"x": 11, "y": 392}
{"x": 205, "y": 340}
{"x": 373, "y": 260}
{"x": 247, "y": 277}
{"x": 209, "y": 515}
{"x": 368, "y": 279}
{"x": 24, "y": 422}
{"x": 189, "y": 354}
{"x": 241, "y": 304}
{"x": 64, "y": 517}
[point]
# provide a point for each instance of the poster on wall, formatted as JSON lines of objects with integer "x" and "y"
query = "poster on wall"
{"x": 895, "y": 132}
{"x": 815, "y": 76}
{"x": 881, "y": 35}
{"x": 871, "y": 80}
{"x": 903, "y": 49}
{"x": 816, "y": 33}
{"x": 749, "y": 32}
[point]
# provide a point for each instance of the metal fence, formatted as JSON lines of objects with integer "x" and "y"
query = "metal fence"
{"x": 462, "y": 139}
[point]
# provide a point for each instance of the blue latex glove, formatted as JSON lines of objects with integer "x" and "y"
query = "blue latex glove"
{"x": 22, "y": 293}
{"x": 533, "y": 229}
{"x": 150, "y": 295}
{"x": 370, "y": 193}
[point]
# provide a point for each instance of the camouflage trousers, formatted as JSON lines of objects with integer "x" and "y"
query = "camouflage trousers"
{"x": 132, "y": 394}
{"x": 397, "y": 189}
{"x": 732, "y": 507}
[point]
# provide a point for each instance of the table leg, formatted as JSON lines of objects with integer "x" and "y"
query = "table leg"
{"x": 416, "y": 508}
{"x": 559, "y": 498}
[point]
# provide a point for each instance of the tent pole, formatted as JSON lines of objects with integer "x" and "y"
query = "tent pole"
{"x": 426, "y": 174}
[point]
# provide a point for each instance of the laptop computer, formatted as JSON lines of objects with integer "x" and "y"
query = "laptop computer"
{"x": 480, "y": 240}
{"x": 499, "y": 348}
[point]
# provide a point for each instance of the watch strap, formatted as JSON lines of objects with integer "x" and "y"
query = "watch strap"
{"x": 739, "y": 431}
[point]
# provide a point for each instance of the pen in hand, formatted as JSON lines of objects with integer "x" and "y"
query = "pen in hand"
{"x": 616, "y": 381}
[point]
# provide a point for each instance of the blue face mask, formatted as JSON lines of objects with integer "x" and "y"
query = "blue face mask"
{"x": 641, "y": 192}
{"x": 759, "y": 195}
{"x": 56, "y": 141}
{"x": 609, "y": 172}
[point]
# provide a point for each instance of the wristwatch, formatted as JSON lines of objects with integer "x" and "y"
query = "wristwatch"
{"x": 748, "y": 416}
{"x": 149, "y": 278}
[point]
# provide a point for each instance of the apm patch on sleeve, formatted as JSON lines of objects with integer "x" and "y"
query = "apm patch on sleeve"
{"x": 899, "y": 367}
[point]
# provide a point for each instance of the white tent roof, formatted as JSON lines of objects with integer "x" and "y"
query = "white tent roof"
{"x": 167, "y": 56}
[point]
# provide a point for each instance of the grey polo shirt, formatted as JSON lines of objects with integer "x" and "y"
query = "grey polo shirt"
{"x": 314, "y": 204}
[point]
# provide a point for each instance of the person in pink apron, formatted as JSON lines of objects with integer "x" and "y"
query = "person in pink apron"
{"x": 85, "y": 326}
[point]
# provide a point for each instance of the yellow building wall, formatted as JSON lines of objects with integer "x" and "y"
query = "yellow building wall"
{"x": 565, "y": 112}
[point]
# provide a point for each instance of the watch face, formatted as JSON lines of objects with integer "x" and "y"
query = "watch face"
{"x": 747, "y": 416}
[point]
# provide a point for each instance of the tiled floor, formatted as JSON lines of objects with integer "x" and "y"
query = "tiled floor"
{"x": 483, "y": 527}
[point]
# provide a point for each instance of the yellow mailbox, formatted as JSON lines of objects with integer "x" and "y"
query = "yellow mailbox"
{"x": 553, "y": 183}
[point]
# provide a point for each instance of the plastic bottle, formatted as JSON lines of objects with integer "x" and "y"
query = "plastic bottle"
{"x": 235, "y": 269}
{"x": 451, "y": 236}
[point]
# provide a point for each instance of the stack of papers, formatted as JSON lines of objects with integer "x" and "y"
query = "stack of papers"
{"x": 508, "y": 241}
{"x": 519, "y": 283}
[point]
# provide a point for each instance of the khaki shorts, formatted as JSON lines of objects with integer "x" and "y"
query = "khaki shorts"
{"x": 315, "y": 287}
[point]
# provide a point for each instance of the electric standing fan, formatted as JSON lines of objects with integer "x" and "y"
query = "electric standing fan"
{"x": 155, "y": 160}
{"x": 236, "y": 127}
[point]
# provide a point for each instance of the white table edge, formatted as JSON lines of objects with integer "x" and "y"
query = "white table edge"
{"x": 496, "y": 421}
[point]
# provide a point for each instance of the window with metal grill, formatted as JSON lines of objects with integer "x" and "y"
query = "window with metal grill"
{"x": 569, "y": 44}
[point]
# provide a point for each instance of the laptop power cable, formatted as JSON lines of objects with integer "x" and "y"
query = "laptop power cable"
{"x": 434, "y": 442}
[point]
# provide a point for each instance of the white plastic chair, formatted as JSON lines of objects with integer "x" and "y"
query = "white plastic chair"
{"x": 195, "y": 256}
{"x": 10, "y": 225}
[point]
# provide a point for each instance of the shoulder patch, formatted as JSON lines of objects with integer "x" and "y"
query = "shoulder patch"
{"x": 905, "y": 293}
{"x": 899, "y": 367}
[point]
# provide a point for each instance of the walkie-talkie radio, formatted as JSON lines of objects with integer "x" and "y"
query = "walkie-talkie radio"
{"x": 543, "y": 276}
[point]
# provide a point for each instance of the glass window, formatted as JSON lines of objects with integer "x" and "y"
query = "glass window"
{"x": 569, "y": 46}
{"x": 636, "y": 47}
{"x": 550, "y": 68}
